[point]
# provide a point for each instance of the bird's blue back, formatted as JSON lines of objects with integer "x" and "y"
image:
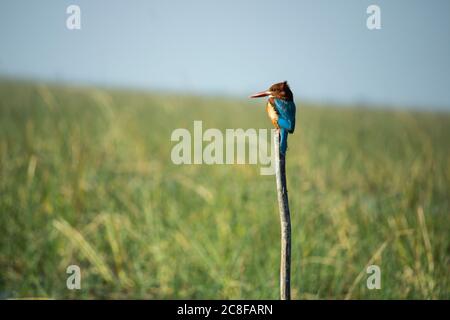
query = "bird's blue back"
{"x": 286, "y": 110}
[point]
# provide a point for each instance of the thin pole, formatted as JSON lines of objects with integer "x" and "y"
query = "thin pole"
{"x": 285, "y": 220}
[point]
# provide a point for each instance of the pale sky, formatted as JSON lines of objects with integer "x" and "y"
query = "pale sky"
{"x": 323, "y": 48}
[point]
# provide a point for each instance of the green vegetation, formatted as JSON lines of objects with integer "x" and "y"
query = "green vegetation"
{"x": 86, "y": 178}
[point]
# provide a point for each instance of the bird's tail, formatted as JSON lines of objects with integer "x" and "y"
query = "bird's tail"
{"x": 283, "y": 140}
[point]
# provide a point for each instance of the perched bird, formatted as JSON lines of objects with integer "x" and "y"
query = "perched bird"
{"x": 281, "y": 110}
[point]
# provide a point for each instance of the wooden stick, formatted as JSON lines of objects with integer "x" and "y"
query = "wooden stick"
{"x": 285, "y": 220}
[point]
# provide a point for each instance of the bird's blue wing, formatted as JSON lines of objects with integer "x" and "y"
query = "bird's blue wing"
{"x": 286, "y": 112}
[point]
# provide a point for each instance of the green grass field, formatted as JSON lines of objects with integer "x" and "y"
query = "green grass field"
{"x": 86, "y": 178}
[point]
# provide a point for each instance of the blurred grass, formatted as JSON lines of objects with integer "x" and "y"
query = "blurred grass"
{"x": 86, "y": 179}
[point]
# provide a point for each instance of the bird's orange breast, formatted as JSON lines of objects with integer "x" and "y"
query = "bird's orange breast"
{"x": 273, "y": 115}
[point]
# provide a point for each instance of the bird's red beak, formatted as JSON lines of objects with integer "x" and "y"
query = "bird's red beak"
{"x": 260, "y": 94}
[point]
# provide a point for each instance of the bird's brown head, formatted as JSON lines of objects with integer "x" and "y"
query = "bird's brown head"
{"x": 278, "y": 90}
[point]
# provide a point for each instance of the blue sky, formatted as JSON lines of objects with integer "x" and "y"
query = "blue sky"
{"x": 321, "y": 47}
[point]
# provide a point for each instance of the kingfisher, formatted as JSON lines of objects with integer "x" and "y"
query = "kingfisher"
{"x": 281, "y": 110}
